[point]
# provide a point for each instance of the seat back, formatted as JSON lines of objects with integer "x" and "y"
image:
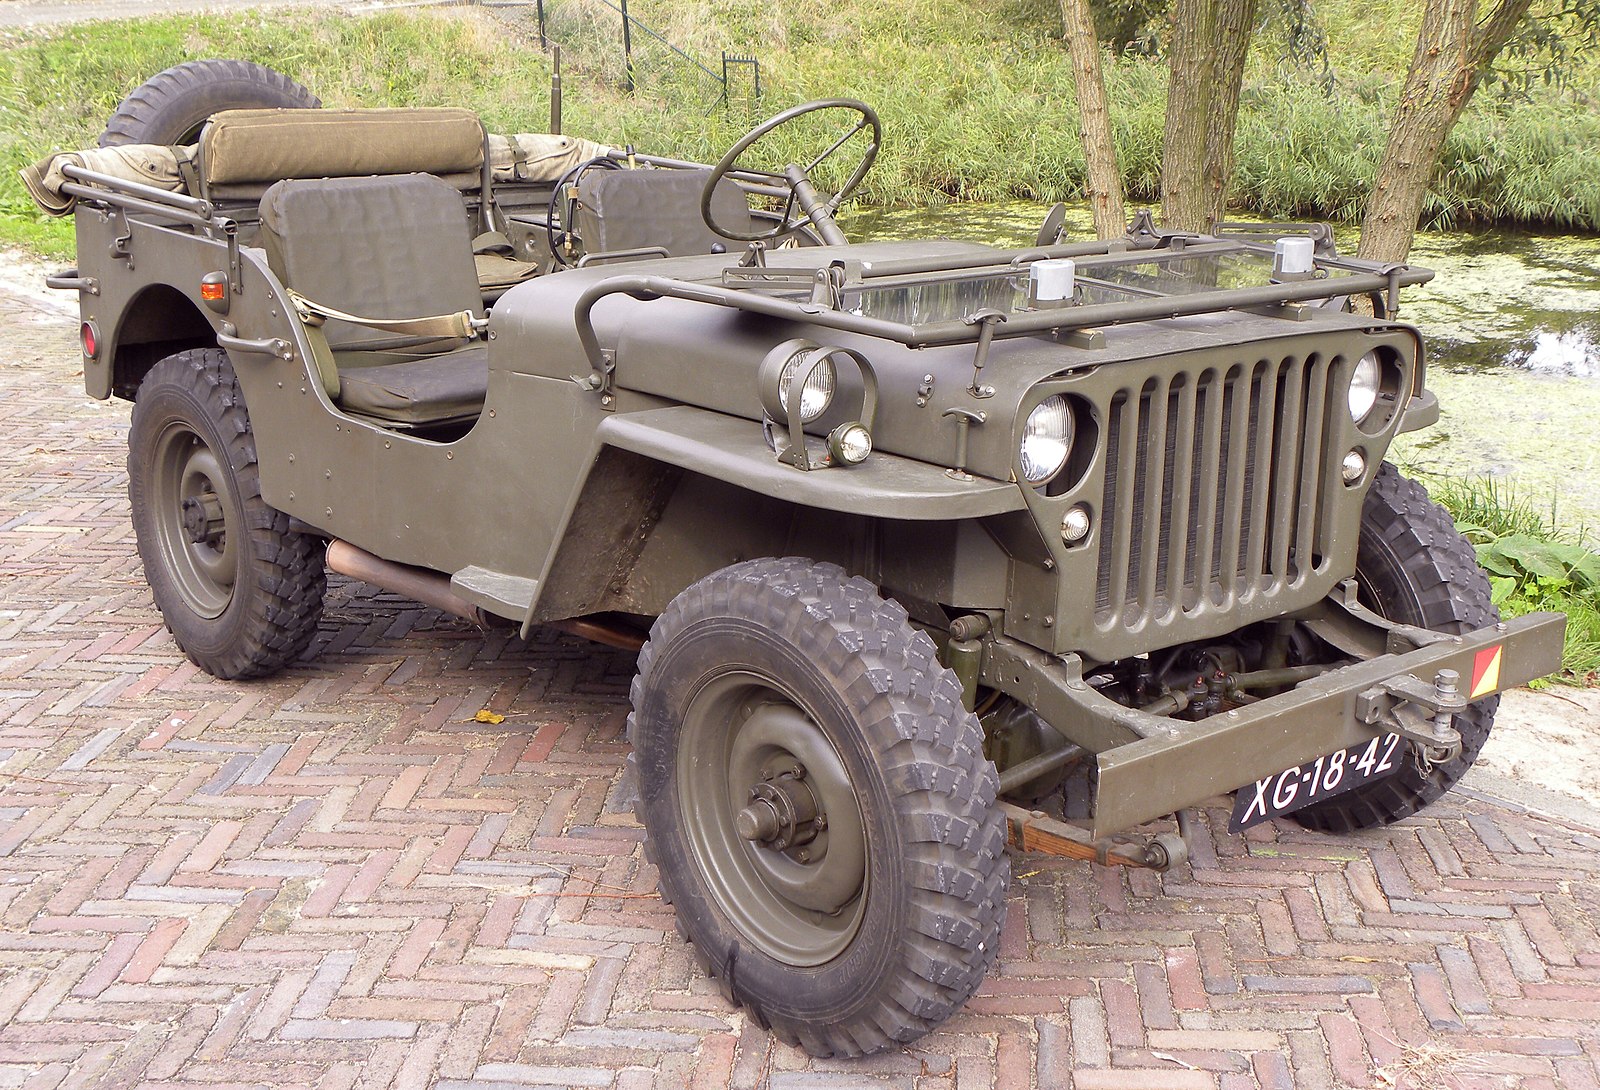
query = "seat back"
{"x": 396, "y": 246}
{"x": 244, "y": 151}
{"x": 630, "y": 209}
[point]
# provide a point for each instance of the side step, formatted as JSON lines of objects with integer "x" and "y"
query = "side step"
{"x": 495, "y": 592}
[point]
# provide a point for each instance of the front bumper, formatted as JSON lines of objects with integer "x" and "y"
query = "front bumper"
{"x": 1178, "y": 763}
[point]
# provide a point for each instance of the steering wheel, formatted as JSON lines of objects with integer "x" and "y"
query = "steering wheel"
{"x": 796, "y": 180}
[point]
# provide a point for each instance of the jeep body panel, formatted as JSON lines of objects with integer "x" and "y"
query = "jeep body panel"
{"x": 626, "y": 449}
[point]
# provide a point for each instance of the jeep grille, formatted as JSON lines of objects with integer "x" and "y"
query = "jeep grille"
{"x": 1239, "y": 480}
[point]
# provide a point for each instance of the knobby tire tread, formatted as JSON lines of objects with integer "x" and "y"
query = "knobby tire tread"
{"x": 145, "y": 116}
{"x": 283, "y": 577}
{"x": 944, "y": 792}
{"x": 1403, "y": 529}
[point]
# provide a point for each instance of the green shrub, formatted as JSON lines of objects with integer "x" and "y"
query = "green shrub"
{"x": 1532, "y": 565}
{"x": 977, "y": 100}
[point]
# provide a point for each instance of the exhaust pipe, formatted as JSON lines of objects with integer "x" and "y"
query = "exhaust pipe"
{"x": 432, "y": 588}
{"x": 419, "y": 584}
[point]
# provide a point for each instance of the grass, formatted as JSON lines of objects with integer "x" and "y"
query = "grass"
{"x": 977, "y": 100}
{"x": 1532, "y": 564}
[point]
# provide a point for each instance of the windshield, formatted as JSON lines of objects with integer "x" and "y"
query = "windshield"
{"x": 1098, "y": 281}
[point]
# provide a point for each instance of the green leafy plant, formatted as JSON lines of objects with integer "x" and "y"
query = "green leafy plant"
{"x": 1532, "y": 564}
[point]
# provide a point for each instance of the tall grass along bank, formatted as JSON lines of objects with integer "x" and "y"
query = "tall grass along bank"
{"x": 977, "y": 100}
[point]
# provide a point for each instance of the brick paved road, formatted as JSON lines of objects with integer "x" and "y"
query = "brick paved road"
{"x": 332, "y": 879}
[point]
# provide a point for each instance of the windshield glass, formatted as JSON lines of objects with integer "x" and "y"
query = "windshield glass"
{"x": 949, "y": 298}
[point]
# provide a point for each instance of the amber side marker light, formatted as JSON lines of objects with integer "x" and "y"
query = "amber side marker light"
{"x": 214, "y": 291}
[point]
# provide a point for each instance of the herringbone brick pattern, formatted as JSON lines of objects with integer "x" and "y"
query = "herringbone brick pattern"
{"x": 335, "y": 879}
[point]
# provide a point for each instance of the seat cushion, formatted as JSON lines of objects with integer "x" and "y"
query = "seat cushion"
{"x": 429, "y": 390}
{"x": 395, "y": 246}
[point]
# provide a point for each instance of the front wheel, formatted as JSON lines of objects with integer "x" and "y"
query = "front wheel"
{"x": 819, "y": 806}
{"x": 240, "y": 591}
{"x": 1414, "y": 567}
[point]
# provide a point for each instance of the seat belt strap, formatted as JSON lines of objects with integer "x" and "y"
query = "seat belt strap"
{"x": 462, "y": 325}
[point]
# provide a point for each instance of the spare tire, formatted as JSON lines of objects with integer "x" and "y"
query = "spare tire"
{"x": 171, "y": 107}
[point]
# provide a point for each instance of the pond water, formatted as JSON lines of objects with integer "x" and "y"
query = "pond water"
{"x": 1512, "y": 328}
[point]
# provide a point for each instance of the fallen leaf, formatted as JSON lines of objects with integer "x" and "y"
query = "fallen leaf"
{"x": 484, "y": 715}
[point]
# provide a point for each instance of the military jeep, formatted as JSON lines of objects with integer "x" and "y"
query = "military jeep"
{"x": 925, "y": 547}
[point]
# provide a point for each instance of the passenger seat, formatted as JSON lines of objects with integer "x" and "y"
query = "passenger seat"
{"x": 384, "y": 247}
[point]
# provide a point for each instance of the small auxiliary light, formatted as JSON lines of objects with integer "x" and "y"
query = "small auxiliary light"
{"x": 1353, "y": 468}
{"x": 1075, "y": 524}
{"x": 1052, "y": 281}
{"x": 850, "y": 444}
{"x": 89, "y": 336}
{"x": 1293, "y": 258}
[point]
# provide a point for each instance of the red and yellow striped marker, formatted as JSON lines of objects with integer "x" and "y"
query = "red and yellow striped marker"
{"x": 1486, "y": 671}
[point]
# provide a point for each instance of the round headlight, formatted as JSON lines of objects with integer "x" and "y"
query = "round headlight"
{"x": 1046, "y": 439}
{"x": 816, "y": 394}
{"x": 1364, "y": 383}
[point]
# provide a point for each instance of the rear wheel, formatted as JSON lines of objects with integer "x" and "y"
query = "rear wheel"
{"x": 1414, "y": 567}
{"x": 240, "y": 591}
{"x": 819, "y": 806}
{"x": 172, "y": 106}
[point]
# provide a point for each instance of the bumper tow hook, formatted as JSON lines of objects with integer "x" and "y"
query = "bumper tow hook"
{"x": 1421, "y": 713}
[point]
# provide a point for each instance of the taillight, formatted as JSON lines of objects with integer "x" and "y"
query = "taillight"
{"x": 90, "y": 337}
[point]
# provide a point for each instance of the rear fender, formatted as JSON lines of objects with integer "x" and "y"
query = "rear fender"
{"x": 157, "y": 322}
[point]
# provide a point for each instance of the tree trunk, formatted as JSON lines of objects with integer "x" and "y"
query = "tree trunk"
{"x": 1102, "y": 181}
{"x": 1453, "y": 49}
{"x": 1235, "y": 20}
{"x": 1189, "y": 94}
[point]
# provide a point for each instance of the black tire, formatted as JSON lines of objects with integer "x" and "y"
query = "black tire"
{"x": 171, "y": 106}
{"x": 1414, "y": 567}
{"x": 809, "y": 647}
{"x": 243, "y": 598}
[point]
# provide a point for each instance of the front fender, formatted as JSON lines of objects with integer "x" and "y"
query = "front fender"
{"x": 732, "y": 449}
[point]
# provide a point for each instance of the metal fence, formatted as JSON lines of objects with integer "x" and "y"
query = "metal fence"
{"x": 606, "y": 38}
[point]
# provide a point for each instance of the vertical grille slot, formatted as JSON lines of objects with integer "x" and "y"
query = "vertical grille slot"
{"x": 1213, "y": 490}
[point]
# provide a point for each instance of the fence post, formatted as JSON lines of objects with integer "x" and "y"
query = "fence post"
{"x": 544, "y": 40}
{"x": 627, "y": 48}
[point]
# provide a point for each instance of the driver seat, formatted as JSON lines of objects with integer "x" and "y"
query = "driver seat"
{"x": 635, "y": 209}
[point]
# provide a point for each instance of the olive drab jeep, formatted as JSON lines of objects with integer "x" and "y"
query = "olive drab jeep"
{"x": 926, "y": 548}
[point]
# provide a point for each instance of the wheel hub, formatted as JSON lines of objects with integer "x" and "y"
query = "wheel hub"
{"x": 202, "y": 517}
{"x": 191, "y": 492}
{"x": 772, "y": 817}
{"x": 783, "y": 815}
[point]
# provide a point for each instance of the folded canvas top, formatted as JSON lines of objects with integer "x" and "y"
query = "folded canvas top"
{"x": 241, "y": 152}
{"x": 148, "y": 164}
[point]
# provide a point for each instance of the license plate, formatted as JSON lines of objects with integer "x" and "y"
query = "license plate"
{"x": 1334, "y": 774}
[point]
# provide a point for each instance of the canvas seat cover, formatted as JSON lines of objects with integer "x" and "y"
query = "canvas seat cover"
{"x": 394, "y": 246}
{"x": 629, "y": 209}
{"x": 430, "y": 389}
